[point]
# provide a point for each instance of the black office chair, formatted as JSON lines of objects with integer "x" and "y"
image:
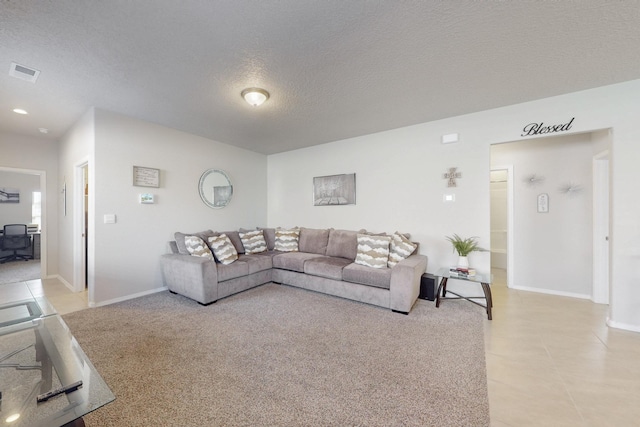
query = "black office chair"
{"x": 15, "y": 238}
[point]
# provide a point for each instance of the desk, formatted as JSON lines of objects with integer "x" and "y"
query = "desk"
{"x": 35, "y": 245}
{"x": 38, "y": 354}
{"x": 483, "y": 279}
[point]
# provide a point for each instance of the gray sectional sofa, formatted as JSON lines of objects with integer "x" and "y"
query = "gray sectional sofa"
{"x": 325, "y": 260}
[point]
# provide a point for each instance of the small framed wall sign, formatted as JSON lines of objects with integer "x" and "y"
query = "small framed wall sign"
{"x": 543, "y": 203}
{"x": 146, "y": 198}
{"x": 146, "y": 177}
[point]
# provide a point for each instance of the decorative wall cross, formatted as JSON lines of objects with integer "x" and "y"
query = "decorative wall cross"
{"x": 451, "y": 176}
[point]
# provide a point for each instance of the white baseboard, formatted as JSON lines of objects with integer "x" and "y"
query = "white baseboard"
{"x": 64, "y": 282}
{"x": 551, "y": 292}
{"x": 623, "y": 326}
{"x": 128, "y": 297}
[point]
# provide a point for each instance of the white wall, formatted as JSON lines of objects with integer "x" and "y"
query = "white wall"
{"x": 18, "y": 213}
{"x": 400, "y": 185}
{"x": 37, "y": 155}
{"x": 553, "y": 251}
{"x": 127, "y": 253}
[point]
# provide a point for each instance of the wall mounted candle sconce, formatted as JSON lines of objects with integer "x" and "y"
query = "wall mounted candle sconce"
{"x": 533, "y": 179}
{"x": 571, "y": 189}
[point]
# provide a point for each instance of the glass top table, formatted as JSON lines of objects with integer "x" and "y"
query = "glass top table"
{"x": 45, "y": 377}
{"x": 483, "y": 279}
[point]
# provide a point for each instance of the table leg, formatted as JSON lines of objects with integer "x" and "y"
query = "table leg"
{"x": 442, "y": 286}
{"x": 487, "y": 294}
{"x": 47, "y": 366}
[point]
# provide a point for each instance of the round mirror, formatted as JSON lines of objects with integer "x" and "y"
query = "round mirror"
{"x": 215, "y": 188}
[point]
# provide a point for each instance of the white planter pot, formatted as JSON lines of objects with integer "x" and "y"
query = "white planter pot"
{"x": 463, "y": 262}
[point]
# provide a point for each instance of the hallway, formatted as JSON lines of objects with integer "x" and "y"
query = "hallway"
{"x": 552, "y": 361}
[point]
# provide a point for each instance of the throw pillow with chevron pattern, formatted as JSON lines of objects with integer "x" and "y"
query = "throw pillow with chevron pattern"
{"x": 253, "y": 242}
{"x": 373, "y": 250}
{"x": 399, "y": 249}
{"x": 287, "y": 240}
{"x": 223, "y": 249}
{"x": 197, "y": 247}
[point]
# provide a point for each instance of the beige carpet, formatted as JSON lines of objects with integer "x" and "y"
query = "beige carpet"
{"x": 282, "y": 356}
{"x": 19, "y": 271}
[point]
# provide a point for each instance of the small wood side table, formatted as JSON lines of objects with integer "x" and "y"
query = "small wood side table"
{"x": 483, "y": 279}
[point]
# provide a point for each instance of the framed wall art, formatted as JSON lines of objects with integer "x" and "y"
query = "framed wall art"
{"x": 146, "y": 177}
{"x": 9, "y": 195}
{"x": 334, "y": 190}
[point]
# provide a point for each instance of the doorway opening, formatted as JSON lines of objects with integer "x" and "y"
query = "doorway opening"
{"x": 31, "y": 185}
{"x": 501, "y": 246}
{"x": 560, "y": 212}
{"x": 81, "y": 228}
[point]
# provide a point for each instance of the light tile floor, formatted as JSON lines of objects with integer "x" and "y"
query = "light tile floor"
{"x": 552, "y": 361}
{"x": 62, "y": 298}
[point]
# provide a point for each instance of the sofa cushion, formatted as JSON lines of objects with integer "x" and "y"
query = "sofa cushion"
{"x": 287, "y": 239}
{"x": 223, "y": 249}
{"x": 293, "y": 261}
{"x": 373, "y": 250}
{"x": 378, "y": 277}
{"x": 253, "y": 241}
{"x": 270, "y": 237}
{"x": 343, "y": 244}
{"x": 313, "y": 240}
{"x": 256, "y": 262}
{"x": 330, "y": 267}
{"x": 231, "y": 271}
{"x": 400, "y": 248}
{"x": 179, "y": 238}
{"x": 234, "y": 237}
{"x": 197, "y": 247}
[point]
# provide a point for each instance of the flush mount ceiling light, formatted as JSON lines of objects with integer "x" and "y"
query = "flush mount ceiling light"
{"x": 255, "y": 96}
{"x": 20, "y": 111}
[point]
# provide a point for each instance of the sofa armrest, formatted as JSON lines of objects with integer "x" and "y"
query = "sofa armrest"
{"x": 405, "y": 282}
{"x": 191, "y": 276}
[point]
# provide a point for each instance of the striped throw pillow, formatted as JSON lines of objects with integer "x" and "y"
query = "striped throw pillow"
{"x": 373, "y": 250}
{"x": 197, "y": 247}
{"x": 287, "y": 240}
{"x": 253, "y": 242}
{"x": 223, "y": 249}
{"x": 399, "y": 249}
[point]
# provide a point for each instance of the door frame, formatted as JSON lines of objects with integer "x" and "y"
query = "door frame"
{"x": 601, "y": 288}
{"x": 80, "y": 267}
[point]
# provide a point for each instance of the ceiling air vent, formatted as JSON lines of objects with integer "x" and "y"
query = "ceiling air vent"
{"x": 23, "y": 73}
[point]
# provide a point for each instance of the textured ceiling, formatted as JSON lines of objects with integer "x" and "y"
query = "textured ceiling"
{"x": 334, "y": 68}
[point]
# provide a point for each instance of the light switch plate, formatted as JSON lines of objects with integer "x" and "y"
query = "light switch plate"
{"x": 450, "y": 138}
{"x": 449, "y": 198}
{"x": 109, "y": 218}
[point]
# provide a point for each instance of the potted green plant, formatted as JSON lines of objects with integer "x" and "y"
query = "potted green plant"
{"x": 464, "y": 246}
